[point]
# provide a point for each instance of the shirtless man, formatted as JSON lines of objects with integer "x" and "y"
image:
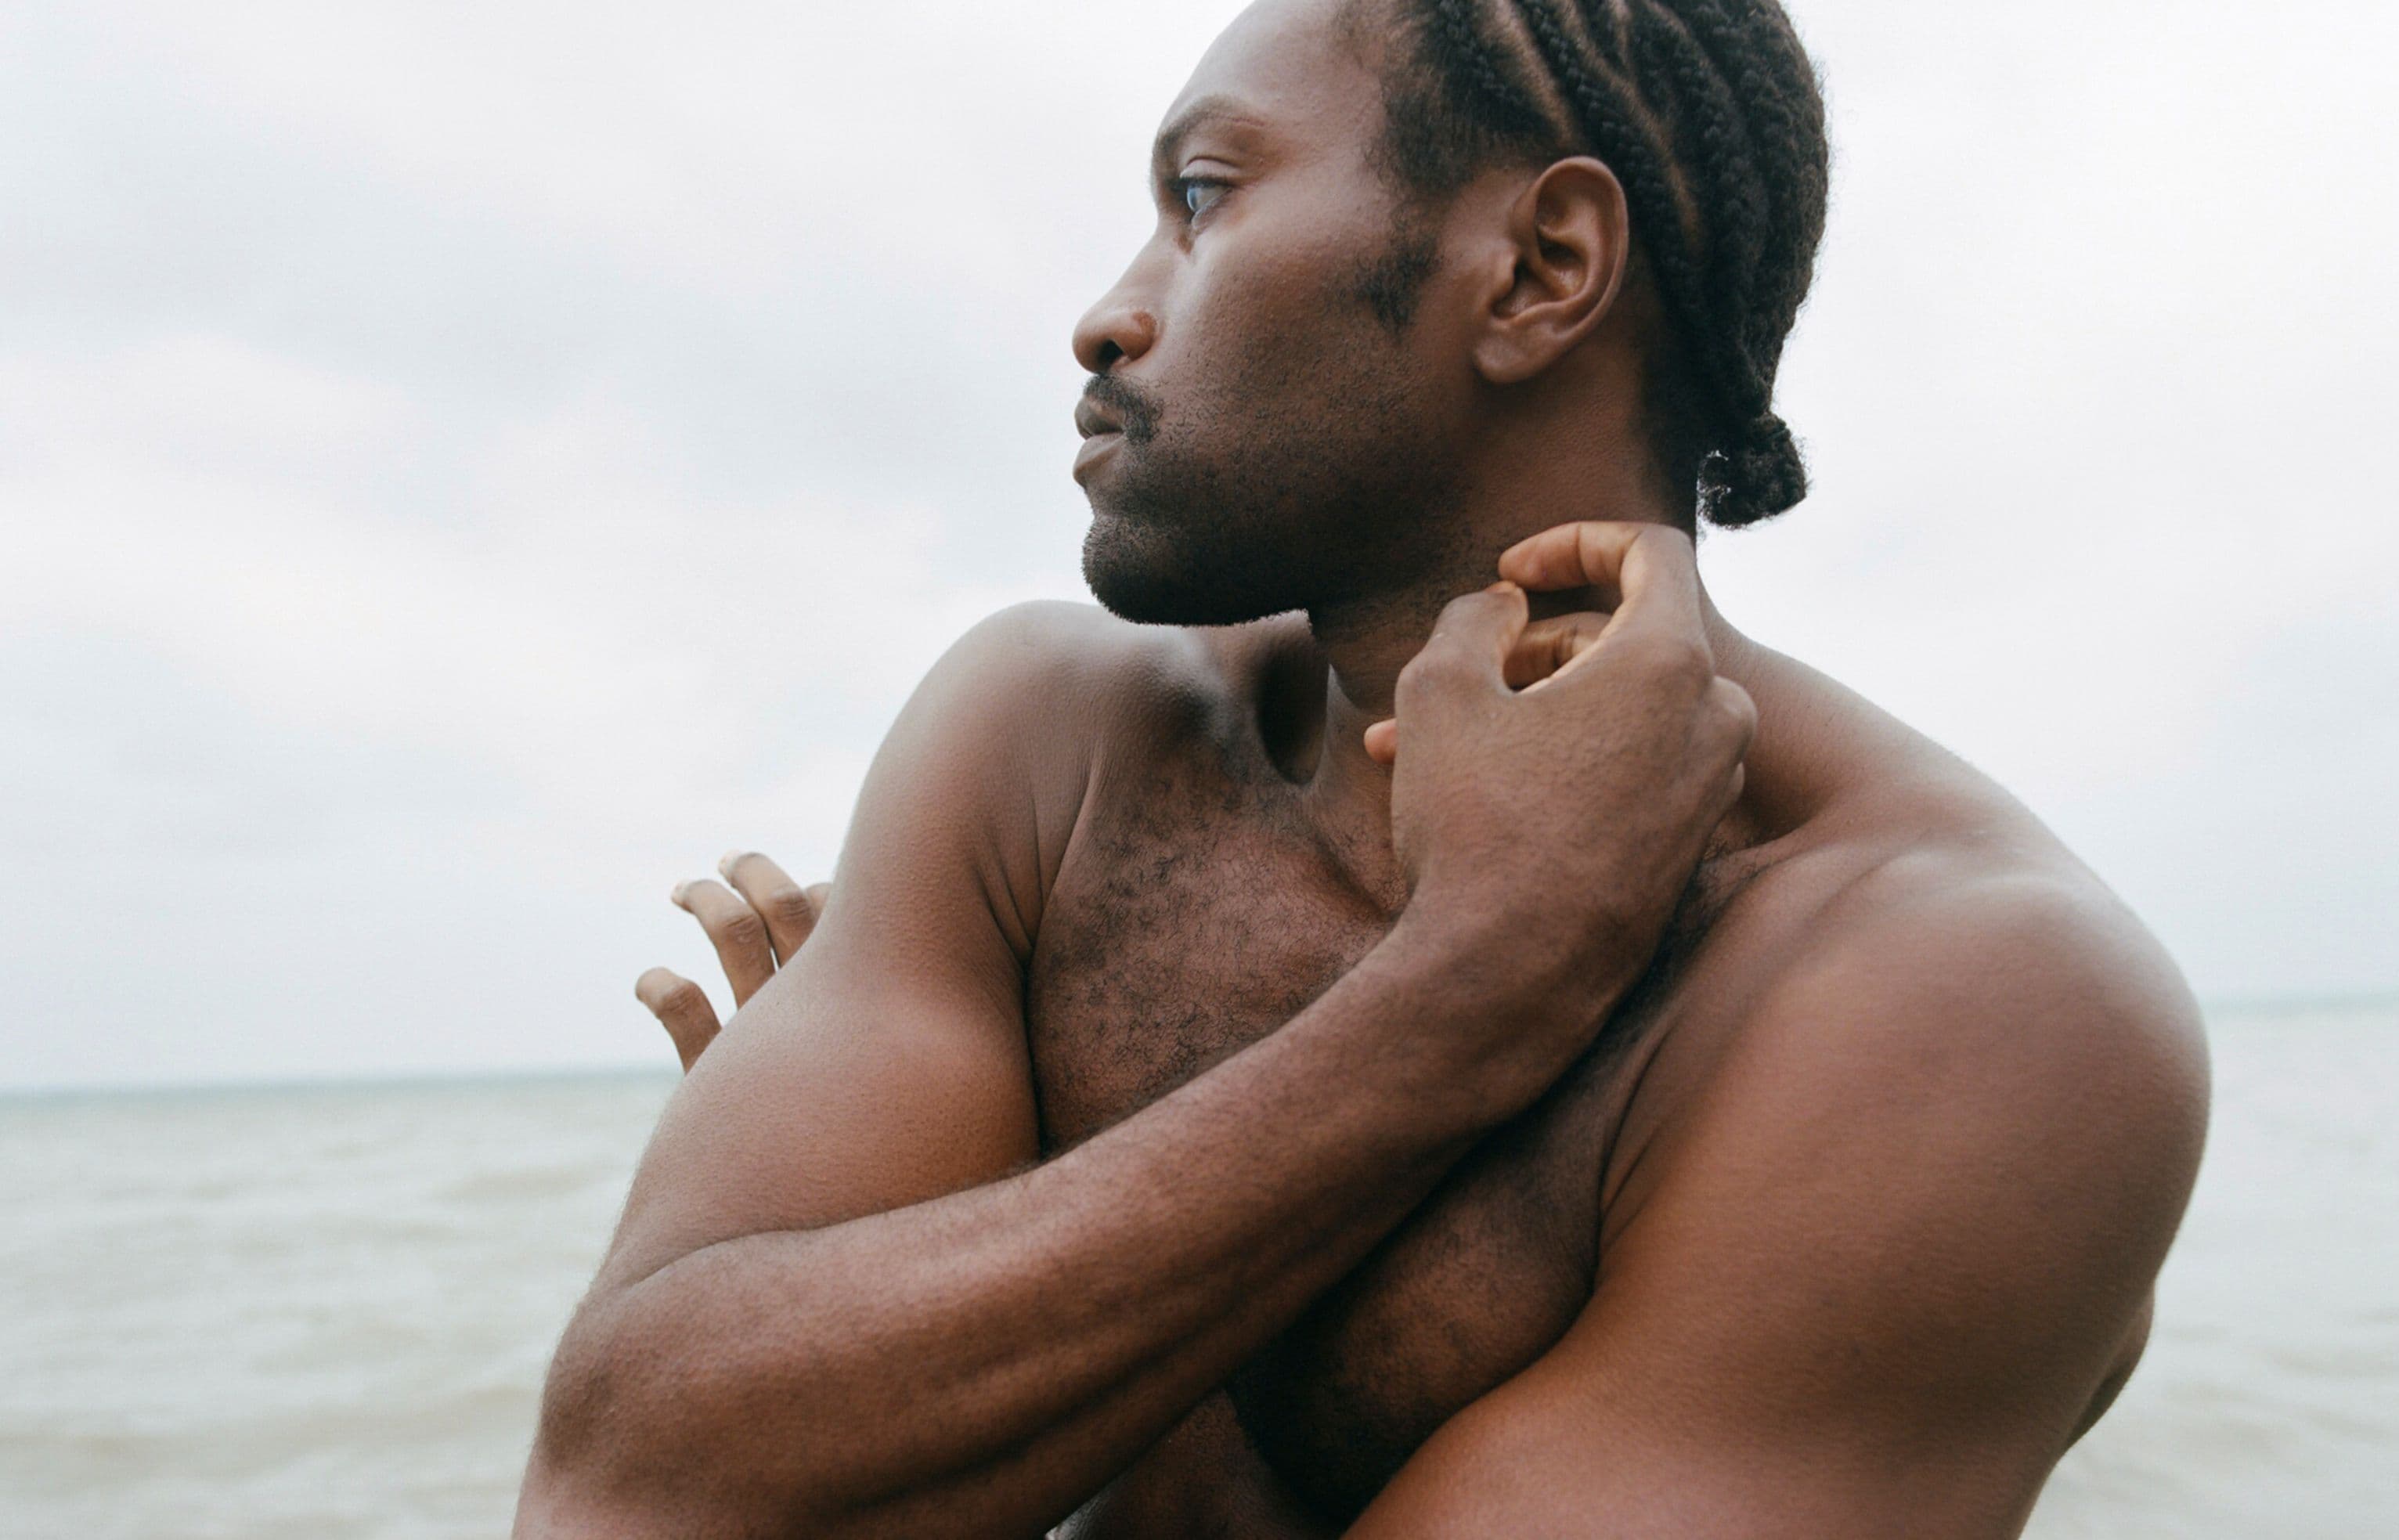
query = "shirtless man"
{"x": 1582, "y": 1074}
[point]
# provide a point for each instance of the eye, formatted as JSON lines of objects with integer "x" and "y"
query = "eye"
{"x": 1200, "y": 193}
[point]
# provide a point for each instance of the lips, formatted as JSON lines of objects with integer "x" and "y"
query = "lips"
{"x": 1097, "y": 447}
{"x": 1093, "y": 419}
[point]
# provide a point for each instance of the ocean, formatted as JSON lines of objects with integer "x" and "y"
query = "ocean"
{"x": 325, "y": 1313}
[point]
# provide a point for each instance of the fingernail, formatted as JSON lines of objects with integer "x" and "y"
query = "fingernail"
{"x": 682, "y": 890}
{"x": 731, "y": 859}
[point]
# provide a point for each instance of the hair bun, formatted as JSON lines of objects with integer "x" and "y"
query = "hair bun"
{"x": 1760, "y": 474}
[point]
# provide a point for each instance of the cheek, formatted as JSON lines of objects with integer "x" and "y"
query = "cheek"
{"x": 1271, "y": 305}
{"x": 1237, "y": 329}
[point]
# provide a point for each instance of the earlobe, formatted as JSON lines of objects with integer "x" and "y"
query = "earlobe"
{"x": 1571, "y": 235}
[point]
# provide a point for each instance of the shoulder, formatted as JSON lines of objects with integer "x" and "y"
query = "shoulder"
{"x": 1974, "y": 1095}
{"x": 988, "y": 769}
{"x": 1894, "y": 1244}
{"x": 1078, "y": 667}
{"x": 1976, "y": 992}
{"x": 1046, "y": 656}
{"x": 1049, "y": 689}
{"x": 1932, "y": 1165}
{"x": 2005, "y": 979}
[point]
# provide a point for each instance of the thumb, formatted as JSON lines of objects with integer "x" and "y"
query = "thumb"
{"x": 1480, "y": 631}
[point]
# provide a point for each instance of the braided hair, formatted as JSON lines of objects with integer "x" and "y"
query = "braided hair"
{"x": 1709, "y": 113}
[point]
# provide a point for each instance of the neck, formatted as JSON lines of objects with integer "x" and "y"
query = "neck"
{"x": 1352, "y": 794}
{"x": 1366, "y": 642}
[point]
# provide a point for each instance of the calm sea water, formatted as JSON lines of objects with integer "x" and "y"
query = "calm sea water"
{"x": 325, "y": 1314}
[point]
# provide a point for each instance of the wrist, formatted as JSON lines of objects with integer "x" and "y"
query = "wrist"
{"x": 1521, "y": 946}
{"x": 1500, "y": 1008}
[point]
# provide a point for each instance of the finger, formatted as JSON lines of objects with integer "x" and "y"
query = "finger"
{"x": 1478, "y": 630}
{"x": 1548, "y": 646}
{"x": 1739, "y": 709}
{"x": 1736, "y": 717}
{"x": 1735, "y": 785}
{"x": 682, "y": 1009}
{"x": 1383, "y": 743}
{"x": 737, "y": 932}
{"x": 1651, "y": 571}
{"x": 791, "y": 916}
{"x": 1571, "y": 556}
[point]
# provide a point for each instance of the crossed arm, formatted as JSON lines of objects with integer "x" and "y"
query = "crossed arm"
{"x": 1886, "y": 1269}
{"x": 1847, "y": 1308}
{"x": 844, "y": 1301}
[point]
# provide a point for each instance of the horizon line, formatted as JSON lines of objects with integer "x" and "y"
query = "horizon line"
{"x": 451, "y": 1079}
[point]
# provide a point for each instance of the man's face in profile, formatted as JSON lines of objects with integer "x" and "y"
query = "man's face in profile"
{"x": 1274, "y": 409}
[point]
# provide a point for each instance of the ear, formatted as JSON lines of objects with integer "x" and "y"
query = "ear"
{"x": 1572, "y": 234}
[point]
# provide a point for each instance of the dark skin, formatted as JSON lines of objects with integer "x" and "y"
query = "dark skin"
{"x": 1587, "y": 1076}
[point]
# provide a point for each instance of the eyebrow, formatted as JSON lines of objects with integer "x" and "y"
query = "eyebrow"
{"x": 1207, "y": 111}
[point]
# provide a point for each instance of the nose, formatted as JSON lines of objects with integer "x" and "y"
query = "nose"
{"x": 1118, "y": 330}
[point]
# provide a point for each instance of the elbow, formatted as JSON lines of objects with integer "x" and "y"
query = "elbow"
{"x": 636, "y": 1440}
{"x": 620, "y": 1453}
{"x": 554, "y": 1504}
{"x": 582, "y": 1478}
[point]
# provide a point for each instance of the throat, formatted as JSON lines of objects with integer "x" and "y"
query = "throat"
{"x": 1293, "y": 723}
{"x": 1366, "y": 642}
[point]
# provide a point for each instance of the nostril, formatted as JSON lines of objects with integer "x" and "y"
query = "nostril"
{"x": 1113, "y": 334}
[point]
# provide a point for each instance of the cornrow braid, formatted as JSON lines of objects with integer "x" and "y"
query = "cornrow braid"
{"x": 1637, "y": 140}
{"x": 1710, "y": 115}
{"x": 1459, "y": 24}
{"x": 1753, "y": 459}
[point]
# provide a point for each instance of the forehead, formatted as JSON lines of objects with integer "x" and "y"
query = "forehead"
{"x": 1294, "y": 65}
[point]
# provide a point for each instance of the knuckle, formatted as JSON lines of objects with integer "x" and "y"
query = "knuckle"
{"x": 1422, "y": 674}
{"x": 1688, "y": 660}
{"x": 681, "y": 998}
{"x": 1462, "y": 608}
{"x": 1578, "y": 637}
{"x": 1438, "y": 670}
{"x": 1728, "y": 733}
{"x": 790, "y": 907}
{"x": 740, "y": 927}
{"x": 1669, "y": 543}
{"x": 1736, "y": 705}
{"x": 1675, "y": 659}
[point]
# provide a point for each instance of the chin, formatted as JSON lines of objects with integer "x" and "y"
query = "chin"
{"x": 1141, "y": 574}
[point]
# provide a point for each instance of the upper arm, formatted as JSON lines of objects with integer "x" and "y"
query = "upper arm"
{"x": 887, "y": 1064}
{"x": 1884, "y": 1261}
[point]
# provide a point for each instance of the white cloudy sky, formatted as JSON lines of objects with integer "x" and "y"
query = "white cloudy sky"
{"x": 462, "y": 467}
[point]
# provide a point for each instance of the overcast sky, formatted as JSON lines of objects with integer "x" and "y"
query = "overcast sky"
{"x": 463, "y": 466}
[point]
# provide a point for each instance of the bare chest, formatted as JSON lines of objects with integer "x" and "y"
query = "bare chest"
{"x": 1197, "y": 916}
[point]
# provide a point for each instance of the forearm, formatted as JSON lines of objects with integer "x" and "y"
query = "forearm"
{"x": 980, "y": 1363}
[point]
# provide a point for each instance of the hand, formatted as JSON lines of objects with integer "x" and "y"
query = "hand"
{"x": 757, "y": 925}
{"x": 1555, "y": 826}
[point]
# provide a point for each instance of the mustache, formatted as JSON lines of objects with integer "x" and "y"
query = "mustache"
{"x": 1139, "y": 413}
